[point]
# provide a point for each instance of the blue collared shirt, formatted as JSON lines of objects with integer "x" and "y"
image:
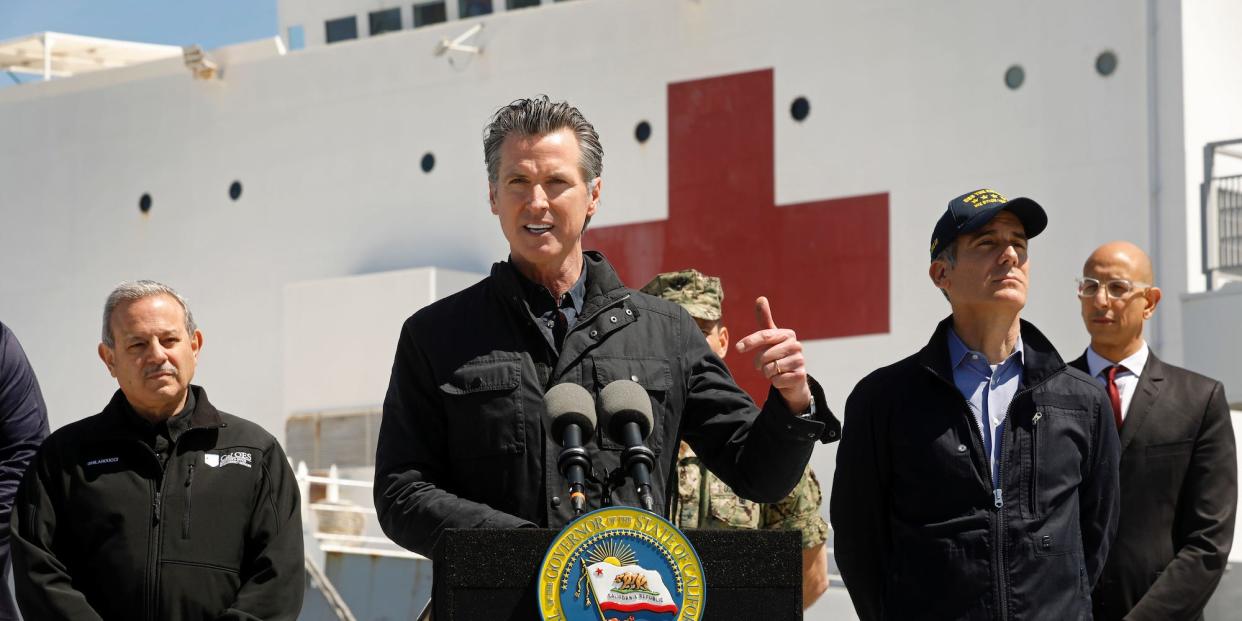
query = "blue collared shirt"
{"x": 988, "y": 389}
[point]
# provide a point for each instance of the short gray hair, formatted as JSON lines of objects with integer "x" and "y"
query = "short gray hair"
{"x": 948, "y": 255}
{"x": 535, "y": 117}
{"x": 137, "y": 290}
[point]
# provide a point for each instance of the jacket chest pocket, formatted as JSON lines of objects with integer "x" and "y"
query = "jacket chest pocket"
{"x": 652, "y": 374}
{"x": 483, "y": 408}
{"x": 1059, "y": 444}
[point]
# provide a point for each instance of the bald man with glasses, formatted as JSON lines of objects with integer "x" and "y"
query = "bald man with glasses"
{"x": 1178, "y": 464}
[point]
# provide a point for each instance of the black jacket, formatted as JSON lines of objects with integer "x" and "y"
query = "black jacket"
{"x": 918, "y": 533}
{"x": 100, "y": 531}
{"x": 463, "y": 444}
{"x": 1179, "y": 494}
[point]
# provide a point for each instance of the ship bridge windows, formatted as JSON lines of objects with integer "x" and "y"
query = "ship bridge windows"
{"x": 427, "y": 13}
{"x": 386, "y": 20}
{"x": 520, "y": 4}
{"x": 341, "y": 29}
{"x": 473, "y": 8}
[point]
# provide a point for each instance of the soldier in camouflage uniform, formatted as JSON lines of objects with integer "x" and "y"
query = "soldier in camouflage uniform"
{"x": 704, "y": 501}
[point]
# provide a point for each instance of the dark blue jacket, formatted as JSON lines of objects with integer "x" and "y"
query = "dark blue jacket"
{"x": 23, "y": 426}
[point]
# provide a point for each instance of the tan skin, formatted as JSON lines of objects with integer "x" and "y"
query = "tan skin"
{"x": 814, "y": 559}
{"x": 987, "y": 287}
{"x": 1116, "y": 325}
{"x": 543, "y": 201}
{"x": 153, "y": 358}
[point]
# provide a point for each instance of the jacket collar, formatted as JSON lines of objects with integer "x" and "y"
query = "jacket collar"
{"x": 203, "y": 416}
{"x": 603, "y": 286}
{"x": 1040, "y": 359}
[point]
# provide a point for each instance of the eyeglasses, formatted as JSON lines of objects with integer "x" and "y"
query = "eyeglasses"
{"x": 1116, "y": 289}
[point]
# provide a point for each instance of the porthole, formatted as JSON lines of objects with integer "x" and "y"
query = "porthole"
{"x": 1014, "y": 77}
{"x": 642, "y": 132}
{"x": 1106, "y": 63}
{"x": 144, "y": 203}
{"x": 235, "y": 190}
{"x": 799, "y": 109}
{"x": 428, "y": 162}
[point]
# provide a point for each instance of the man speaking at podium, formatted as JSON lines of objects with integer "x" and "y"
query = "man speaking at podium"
{"x": 463, "y": 441}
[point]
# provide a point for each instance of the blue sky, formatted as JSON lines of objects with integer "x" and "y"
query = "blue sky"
{"x": 209, "y": 23}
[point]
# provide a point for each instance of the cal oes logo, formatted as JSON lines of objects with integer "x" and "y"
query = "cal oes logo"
{"x": 621, "y": 564}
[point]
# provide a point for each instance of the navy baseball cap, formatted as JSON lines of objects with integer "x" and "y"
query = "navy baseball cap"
{"x": 971, "y": 211}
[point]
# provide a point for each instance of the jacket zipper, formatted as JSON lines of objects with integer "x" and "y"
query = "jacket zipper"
{"x": 153, "y": 547}
{"x": 999, "y": 572}
{"x": 1034, "y": 482}
{"x": 1002, "y": 574}
{"x": 185, "y": 521}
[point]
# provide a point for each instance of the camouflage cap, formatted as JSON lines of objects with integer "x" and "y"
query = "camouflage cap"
{"x": 700, "y": 295}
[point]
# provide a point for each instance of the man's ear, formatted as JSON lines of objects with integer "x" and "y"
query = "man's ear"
{"x": 596, "y": 188}
{"x": 106, "y": 355}
{"x": 196, "y": 343}
{"x": 1152, "y": 295}
{"x": 491, "y": 198}
{"x": 724, "y": 338}
{"x": 939, "y": 274}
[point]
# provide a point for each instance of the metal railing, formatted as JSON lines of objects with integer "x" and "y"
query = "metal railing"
{"x": 313, "y": 516}
{"x": 1221, "y": 213}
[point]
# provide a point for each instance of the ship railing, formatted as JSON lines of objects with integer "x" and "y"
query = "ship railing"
{"x": 339, "y": 525}
{"x": 1220, "y": 196}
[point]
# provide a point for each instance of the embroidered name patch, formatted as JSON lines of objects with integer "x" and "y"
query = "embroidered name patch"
{"x": 103, "y": 461}
{"x": 220, "y": 460}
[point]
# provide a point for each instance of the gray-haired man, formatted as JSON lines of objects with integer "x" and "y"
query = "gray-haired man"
{"x": 462, "y": 443}
{"x": 160, "y": 506}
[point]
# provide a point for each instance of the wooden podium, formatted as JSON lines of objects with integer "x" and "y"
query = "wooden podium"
{"x": 490, "y": 574}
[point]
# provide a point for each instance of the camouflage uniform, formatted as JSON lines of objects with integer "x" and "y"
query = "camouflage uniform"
{"x": 704, "y": 501}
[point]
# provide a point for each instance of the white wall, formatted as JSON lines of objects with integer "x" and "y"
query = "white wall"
{"x": 340, "y": 334}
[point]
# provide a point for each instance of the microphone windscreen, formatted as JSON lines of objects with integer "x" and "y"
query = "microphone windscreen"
{"x": 622, "y": 402}
{"x": 569, "y": 403}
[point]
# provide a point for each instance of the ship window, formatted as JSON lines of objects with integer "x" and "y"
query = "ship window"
{"x": 341, "y": 29}
{"x": 799, "y": 109}
{"x": 520, "y": 4}
{"x": 1106, "y": 63}
{"x": 473, "y": 8}
{"x": 1014, "y": 77}
{"x": 235, "y": 189}
{"x": 297, "y": 38}
{"x": 429, "y": 162}
{"x": 387, "y": 20}
{"x": 429, "y": 13}
{"x": 642, "y": 132}
{"x": 144, "y": 203}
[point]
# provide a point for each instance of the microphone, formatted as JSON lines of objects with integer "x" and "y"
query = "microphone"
{"x": 570, "y": 413}
{"x": 627, "y": 419}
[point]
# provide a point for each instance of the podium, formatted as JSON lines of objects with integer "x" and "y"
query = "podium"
{"x": 491, "y": 574}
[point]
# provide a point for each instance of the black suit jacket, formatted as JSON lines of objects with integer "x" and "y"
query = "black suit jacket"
{"x": 1179, "y": 492}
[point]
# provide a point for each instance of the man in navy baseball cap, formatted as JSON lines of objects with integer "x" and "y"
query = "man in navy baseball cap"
{"x": 968, "y": 212}
{"x": 977, "y": 477}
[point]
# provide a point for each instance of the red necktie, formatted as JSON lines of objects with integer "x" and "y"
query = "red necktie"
{"x": 1114, "y": 395}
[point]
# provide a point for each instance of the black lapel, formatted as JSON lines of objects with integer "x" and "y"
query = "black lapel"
{"x": 1144, "y": 398}
{"x": 1080, "y": 363}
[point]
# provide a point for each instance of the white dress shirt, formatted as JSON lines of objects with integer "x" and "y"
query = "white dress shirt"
{"x": 1126, "y": 380}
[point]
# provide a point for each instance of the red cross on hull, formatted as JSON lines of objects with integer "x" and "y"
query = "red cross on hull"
{"x": 823, "y": 264}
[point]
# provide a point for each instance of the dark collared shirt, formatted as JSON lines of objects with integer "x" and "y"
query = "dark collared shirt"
{"x": 163, "y": 435}
{"x": 554, "y": 318}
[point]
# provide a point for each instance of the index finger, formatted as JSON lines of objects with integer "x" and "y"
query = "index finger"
{"x": 763, "y": 313}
